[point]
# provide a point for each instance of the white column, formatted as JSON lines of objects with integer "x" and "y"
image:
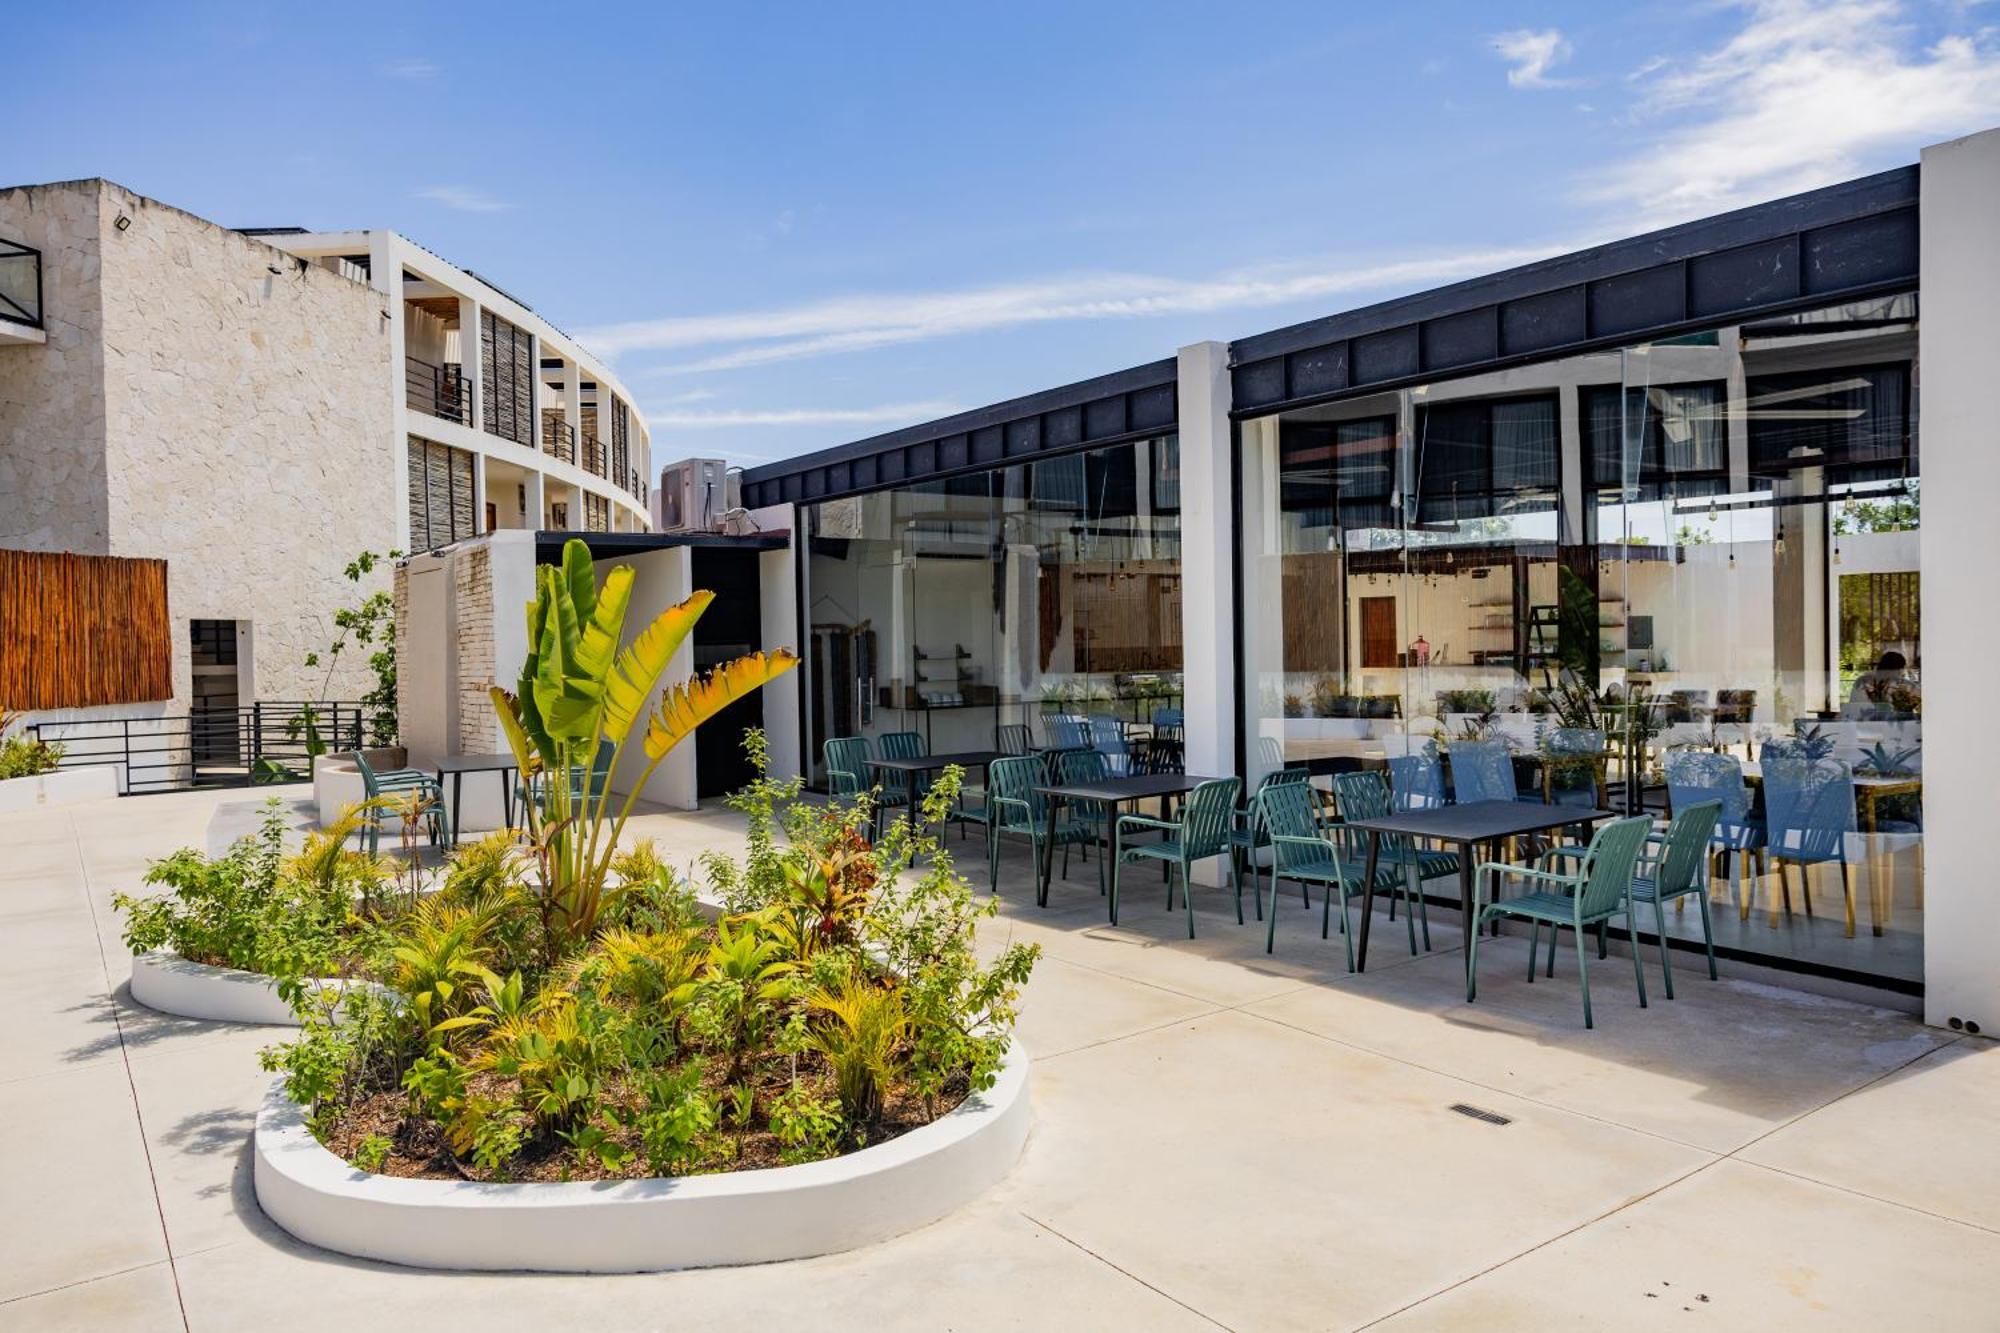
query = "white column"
{"x": 385, "y": 274}
{"x": 1208, "y": 593}
{"x": 778, "y": 597}
{"x": 1958, "y": 346}
{"x": 469, "y": 360}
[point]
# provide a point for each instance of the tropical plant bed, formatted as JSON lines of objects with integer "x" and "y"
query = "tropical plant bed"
{"x": 565, "y": 1012}
{"x": 738, "y": 1217}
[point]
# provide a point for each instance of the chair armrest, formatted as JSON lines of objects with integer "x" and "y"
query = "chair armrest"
{"x": 1147, "y": 821}
{"x": 1526, "y": 872}
{"x": 1564, "y": 851}
{"x": 1294, "y": 840}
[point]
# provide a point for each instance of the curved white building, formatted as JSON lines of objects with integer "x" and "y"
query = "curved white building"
{"x": 506, "y": 421}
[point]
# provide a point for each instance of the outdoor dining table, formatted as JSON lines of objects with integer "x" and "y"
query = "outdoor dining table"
{"x": 458, "y": 765}
{"x": 1467, "y": 827}
{"x": 916, "y": 765}
{"x": 1112, "y": 792}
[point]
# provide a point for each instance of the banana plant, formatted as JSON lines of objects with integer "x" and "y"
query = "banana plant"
{"x": 578, "y": 692}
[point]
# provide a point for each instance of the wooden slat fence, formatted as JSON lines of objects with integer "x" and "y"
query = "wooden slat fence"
{"x": 79, "y": 630}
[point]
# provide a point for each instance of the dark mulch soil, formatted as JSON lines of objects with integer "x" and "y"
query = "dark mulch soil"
{"x": 421, "y": 1152}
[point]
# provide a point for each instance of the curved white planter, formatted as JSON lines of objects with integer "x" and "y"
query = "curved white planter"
{"x": 740, "y": 1217}
{"x": 65, "y": 786}
{"x": 171, "y": 984}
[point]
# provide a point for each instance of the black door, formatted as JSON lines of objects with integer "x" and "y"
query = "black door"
{"x": 731, "y": 627}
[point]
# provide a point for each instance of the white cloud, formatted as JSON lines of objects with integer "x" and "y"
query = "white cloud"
{"x": 463, "y": 198}
{"x": 885, "y": 414}
{"x": 1531, "y": 55}
{"x": 1804, "y": 94}
{"x": 415, "y": 67}
{"x": 855, "y": 323}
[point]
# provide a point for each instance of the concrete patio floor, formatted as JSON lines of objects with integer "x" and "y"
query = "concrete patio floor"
{"x": 1222, "y": 1139}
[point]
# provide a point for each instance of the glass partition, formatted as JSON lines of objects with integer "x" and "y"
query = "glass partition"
{"x": 1634, "y": 568}
{"x": 956, "y": 606}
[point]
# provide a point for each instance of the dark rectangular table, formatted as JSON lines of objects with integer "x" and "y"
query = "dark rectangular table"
{"x": 458, "y": 765}
{"x": 1113, "y": 792}
{"x": 969, "y": 760}
{"x": 1466, "y": 826}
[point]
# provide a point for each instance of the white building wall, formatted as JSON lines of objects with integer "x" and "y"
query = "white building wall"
{"x": 1208, "y": 592}
{"x": 1959, "y": 345}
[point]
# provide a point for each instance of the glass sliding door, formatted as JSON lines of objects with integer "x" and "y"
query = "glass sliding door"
{"x": 1629, "y": 567}
{"x": 955, "y": 606}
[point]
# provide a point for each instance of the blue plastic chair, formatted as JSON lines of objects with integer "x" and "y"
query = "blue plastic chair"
{"x": 1482, "y": 771}
{"x": 1809, "y": 816}
{"x": 1416, "y": 781}
{"x": 1066, "y": 731}
{"x": 1695, "y": 776}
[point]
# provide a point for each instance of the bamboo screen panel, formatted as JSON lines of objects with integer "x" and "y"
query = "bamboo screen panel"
{"x": 82, "y": 630}
{"x": 507, "y": 379}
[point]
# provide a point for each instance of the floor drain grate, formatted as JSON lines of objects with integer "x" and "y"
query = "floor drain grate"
{"x": 1474, "y": 1112}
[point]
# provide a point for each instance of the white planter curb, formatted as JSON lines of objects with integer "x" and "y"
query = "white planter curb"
{"x": 64, "y": 786}
{"x": 740, "y": 1217}
{"x": 167, "y": 982}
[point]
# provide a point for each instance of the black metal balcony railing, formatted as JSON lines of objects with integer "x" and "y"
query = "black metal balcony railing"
{"x": 558, "y": 438}
{"x": 595, "y": 455}
{"x": 20, "y": 284}
{"x": 439, "y": 391}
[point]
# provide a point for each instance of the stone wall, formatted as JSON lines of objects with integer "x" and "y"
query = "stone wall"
{"x": 249, "y": 428}
{"x": 52, "y": 474}
{"x": 472, "y": 617}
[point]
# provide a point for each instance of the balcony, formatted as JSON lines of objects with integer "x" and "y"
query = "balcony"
{"x": 20, "y": 293}
{"x": 438, "y": 391}
{"x": 595, "y": 456}
{"x": 558, "y": 437}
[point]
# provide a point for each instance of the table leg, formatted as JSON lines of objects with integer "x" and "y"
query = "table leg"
{"x": 1047, "y": 859}
{"x": 1879, "y": 869}
{"x": 1367, "y": 898}
{"x": 1466, "y": 856}
{"x": 457, "y": 800}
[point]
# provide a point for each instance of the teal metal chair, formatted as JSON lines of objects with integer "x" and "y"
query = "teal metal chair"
{"x": 847, "y": 766}
{"x": 1365, "y": 795}
{"x": 1249, "y": 837}
{"x": 1015, "y": 738}
{"x": 1075, "y": 768}
{"x": 1304, "y": 849}
{"x": 1202, "y": 831}
{"x": 1598, "y": 889}
{"x": 1014, "y": 806}
{"x": 1678, "y": 869}
{"x": 398, "y": 782}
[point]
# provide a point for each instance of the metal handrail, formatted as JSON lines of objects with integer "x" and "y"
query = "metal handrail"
{"x": 208, "y": 747}
{"x": 595, "y": 456}
{"x": 439, "y": 391}
{"x": 20, "y": 284}
{"x": 558, "y": 437}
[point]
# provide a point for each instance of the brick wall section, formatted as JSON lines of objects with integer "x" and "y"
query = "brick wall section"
{"x": 472, "y": 610}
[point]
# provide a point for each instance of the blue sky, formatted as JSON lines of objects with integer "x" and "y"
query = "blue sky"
{"x": 796, "y": 225}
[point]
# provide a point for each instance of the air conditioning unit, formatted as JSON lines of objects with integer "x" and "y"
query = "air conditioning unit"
{"x": 694, "y": 494}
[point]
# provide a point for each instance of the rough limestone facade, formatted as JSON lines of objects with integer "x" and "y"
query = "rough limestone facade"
{"x": 472, "y": 612}
{"x": 208, "y": 399}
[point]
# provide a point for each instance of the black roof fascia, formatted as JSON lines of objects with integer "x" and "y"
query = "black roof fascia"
{"x": 1110, "y": 409}
{"x": 1842, "y": 242}
{"x": 549, "y": 542}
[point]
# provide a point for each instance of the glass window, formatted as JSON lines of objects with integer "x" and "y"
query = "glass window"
{"x": 1632, "y": 568}
{"x": 956, "y": 606}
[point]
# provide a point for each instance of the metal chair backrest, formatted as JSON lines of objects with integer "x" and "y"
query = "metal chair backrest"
{"x": 1608, "y": 864}
{"x": 1417, "y": 781}
{"x": 1207, "y": 817}
{"x": 1576, "y": 740}
{"x": 1270, "y": 752}
{"x": 1482, "y": 771}
{"x": 1081, "y": 767}
{"x": 1105, "y": 730}
{"x": 1685, "y": 863}
{"x": 1365, "y": 795}
{"x": 902, "y": 745}
{"x": 371, "y": 785}
{"x": 1694, "y": 776}
{"x": 1289, "y": 810}
{"x": 1808, "y": 803}
{"x": 1015, "y": 779}
{"x": 1016, "y": 738}
{"x": 1066, "y": 731}
{"x": 846, "y": 765}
